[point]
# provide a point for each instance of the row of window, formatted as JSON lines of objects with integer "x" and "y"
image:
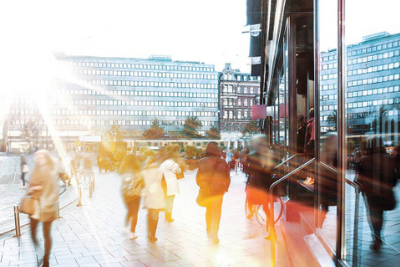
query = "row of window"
{"x": 119, "y": 112}
{"x": 373, "y": 80}
{"x": 381, "y": 102}
{"x": 374, "y": 69}
{"x": 230, "y": 114}
{"x": 363, "y": 104}
{"x": 112, "y": 122}
{"x": 379, "y": 91}
{"x": 373, "y": 58}
{"x": 363, "y": 52}
{"x": 230, "y": 102}
{"x": 151, "y": 84}
{"x": 373, "y": 48}
{"x": 328, "y": 76}
{"x": 137, "y": 93}
{"x": 239, "y": 77}
{"x": 147, "y": 74}
{"x": 143, "y": 103}
{"x": 137, "y": 66}
{"x": 240, "y": 89}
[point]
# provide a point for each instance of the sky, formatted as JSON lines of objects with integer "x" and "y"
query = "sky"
{"x": 363, "y": 17}
{"x": 209, "y": 31}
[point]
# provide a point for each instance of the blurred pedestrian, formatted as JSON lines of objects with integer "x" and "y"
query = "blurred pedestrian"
{"x": 328, "y": 183}
{"x": 153, "y": 195}
{"x": 244, "y": 160}
{"x": 63, "y": 173}
{"x": 213, "y": 178}
{"x": 170, "y": 169}
{"x": 377, "y": 177}
{"x": 261, "y": 163}
{"x": 44, "y": 188}
{"x": 132, "y": 185}
{"x": 301, "y": 133}
{"x": 310, "y": 134}
{"x": 24, "y": 170}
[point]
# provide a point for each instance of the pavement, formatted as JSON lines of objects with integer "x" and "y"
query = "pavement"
{"x": 93, "y": 234}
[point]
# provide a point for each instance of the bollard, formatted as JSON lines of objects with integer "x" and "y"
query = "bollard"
{"x": 17, "y": 222}
{"x": 93, "y": 181}
{"x": 90, "y": 187}
{"x": 79, "y": 195}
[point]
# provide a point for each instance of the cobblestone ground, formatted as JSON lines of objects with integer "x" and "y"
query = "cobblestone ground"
{"x": 92, "y": 235}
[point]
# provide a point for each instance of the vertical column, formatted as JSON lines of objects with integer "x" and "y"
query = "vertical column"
{"x": 341, "y": 122}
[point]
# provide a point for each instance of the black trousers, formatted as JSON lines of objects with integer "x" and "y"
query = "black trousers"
{"x": 23, "y": 178}
{"x": 47, "y": 236}
{"x": 133, "y": 210}
{"x": 375, "y": 218}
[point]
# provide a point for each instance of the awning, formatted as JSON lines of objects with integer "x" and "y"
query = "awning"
{"x": 253, "y": 12}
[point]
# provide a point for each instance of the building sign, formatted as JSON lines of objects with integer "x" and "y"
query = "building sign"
{"x": 258, "y": 112}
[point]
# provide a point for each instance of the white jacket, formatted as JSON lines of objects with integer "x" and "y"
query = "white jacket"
{"x": 170, "y": 168}
{"x": 153, "y": 194}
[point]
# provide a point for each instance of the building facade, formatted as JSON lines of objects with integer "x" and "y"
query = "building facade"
{"x": 90, "y": 94}
{"x": 373, "y": 70}
{"x": 238, "y": 92}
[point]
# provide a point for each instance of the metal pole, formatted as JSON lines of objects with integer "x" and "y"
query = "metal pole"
{"x": 17, "y": 222}
{"x": 79, "y": 195}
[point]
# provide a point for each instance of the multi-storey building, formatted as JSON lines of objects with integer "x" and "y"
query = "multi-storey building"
{"x": 237, "y": 93}
{"x": 373, "y": 69}
{"x": 91, "y": 94}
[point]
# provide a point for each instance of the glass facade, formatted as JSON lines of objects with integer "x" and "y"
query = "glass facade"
{"x": 338, "y": 72}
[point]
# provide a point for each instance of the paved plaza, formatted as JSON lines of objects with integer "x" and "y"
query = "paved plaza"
{"x": 92, "y": 235}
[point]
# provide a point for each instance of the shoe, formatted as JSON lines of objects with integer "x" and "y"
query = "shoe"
{"x": 169, "y": 220}
{"x": 23, "y": 187}
{"x": 215, "y": 240}
{"x": 377, "y": 245}
{"x": 132, "y": 236}
{"x": 153, "y": 239}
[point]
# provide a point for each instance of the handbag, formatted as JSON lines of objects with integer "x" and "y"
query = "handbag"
{"x": 202, "y": 197}
{"x": 27, "y": 205}
{"x": 180, "y": 175}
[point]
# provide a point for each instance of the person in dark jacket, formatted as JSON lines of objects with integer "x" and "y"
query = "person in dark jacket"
{"x": 310, "y": 134}
{"x": 377, "y": 177}
{"x": 260, "y": 171}
{"x": 213, "y": 177}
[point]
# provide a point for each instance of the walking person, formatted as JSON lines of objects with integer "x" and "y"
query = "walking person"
{"x": 260, "y": 172}
{"x": 24, "y": 170}
{"x": 213, "y": 178}
{"x": 132, "y": 185}
{"x": 44, "y": 188}
{"x": 153, "y": 195}
{"x": 170, "y": 169}
{"x": 377, "y": 176}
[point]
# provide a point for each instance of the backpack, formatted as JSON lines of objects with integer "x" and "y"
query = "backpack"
{"x": 132, "y": 186}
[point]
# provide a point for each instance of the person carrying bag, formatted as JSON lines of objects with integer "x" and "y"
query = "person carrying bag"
{"x": 214, "y": 183}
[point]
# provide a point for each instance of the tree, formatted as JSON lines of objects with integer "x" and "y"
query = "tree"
{"x": 28, "y": 133}
{"x": 114, "y": 134}
{"x": 191, "y": 151}
{"x": 174, "y": 148}
{"x": 155, "y": 131}
{"x": 332, "y": 120}
{"x": 213, "y": 133}
{"x": 191, "y": 126}
{"x": 250, "y": 128}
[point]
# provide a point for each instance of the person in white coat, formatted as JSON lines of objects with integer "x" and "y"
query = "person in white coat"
{"x": 153, "y": 195}
{"x": 170, "y": 169}
{"x": 44, "y": 188}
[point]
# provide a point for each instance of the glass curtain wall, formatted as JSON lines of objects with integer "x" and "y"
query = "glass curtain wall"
{"x": 326, "y": 142}
{"x": 372, "y": 80}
